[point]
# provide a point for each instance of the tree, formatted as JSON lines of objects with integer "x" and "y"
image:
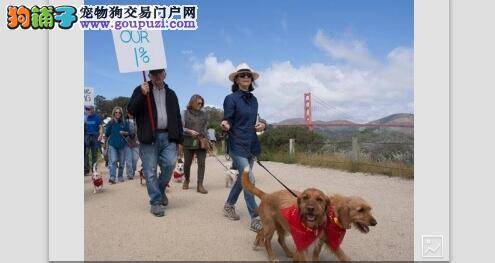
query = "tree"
{"x": 104, "y": 107}
{"x": 216, "y": 116}
{"x": 277, "y": 139}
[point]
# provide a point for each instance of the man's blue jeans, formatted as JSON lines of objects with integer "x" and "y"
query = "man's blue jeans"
{"x": 131, "y": 158}
{"x": 116, "y": 159}
{"x": 92, "y": 145}
{"x": 163, "y": 153}
{"x": 241, "y": 163}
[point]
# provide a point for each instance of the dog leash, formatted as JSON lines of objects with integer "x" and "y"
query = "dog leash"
{"x": 226, "y": 168}
{"x": 259, "y": 163}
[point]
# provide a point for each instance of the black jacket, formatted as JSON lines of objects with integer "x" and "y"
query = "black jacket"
{"x": 139, "y": 109}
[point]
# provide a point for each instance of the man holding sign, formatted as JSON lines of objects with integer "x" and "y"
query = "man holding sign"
{"x": 156, "y": 110}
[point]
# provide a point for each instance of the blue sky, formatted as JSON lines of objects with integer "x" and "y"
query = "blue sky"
{"x": 354, "y": 55}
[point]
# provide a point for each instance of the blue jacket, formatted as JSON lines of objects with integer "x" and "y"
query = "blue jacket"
{"x": 240, "y": 109}
{"x": 92, "y": 123}
{"x": 112, "y": 132}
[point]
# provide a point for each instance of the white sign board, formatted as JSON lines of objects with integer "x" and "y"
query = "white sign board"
{"x": 89, "y": 96}
{"x": 139, "y": 50}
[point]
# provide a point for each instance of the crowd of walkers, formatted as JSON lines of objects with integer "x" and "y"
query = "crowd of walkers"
{"x": 155, "y": 128}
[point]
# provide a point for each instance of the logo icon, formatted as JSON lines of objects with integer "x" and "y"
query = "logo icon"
{"x": 432, "y": 246}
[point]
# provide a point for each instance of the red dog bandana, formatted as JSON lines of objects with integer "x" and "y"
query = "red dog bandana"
{"x": 177, "y": 174}
{"x": 335, "y": 233}
{"x": 98, "y": 182}
{"x": 302, "y": 235}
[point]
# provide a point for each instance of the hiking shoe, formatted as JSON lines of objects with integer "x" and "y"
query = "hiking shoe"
{"x": 164, "y": 201}
{"x": 229, "y": 212}
{"x": 130, "y": 178}
{"x": 256, "y": 225}
{"x": 111, "y": 181}
{"x": 121, "y": 179}
{"x": 157, "y": 210}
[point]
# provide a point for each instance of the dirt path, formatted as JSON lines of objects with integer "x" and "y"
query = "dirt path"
{"x": 119, "y": 226}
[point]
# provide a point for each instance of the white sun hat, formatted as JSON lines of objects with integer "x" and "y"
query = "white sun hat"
{"x": 243, "y": 67}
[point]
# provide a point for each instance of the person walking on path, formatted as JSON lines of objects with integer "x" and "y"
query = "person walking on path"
{"x": 241, "y": 120}
{"x": 116, "y": 129}
{"x": 93, "y": 134}
{"x": 131, "y": 149}
{"x": 195, "y": 121}
{"x": 156, "y": 110}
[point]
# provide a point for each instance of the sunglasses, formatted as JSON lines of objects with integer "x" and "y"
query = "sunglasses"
{"x": 245, "y": 75}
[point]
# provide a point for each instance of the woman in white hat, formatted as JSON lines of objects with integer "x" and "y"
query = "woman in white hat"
{"x": 241, "y": 120}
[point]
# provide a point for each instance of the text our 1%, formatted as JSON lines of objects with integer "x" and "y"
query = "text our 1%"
{"x": 141, "y": 54}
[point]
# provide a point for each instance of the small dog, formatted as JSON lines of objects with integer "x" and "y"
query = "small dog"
{"x": 97, "y": 180}
{"x": 179, "y": 172}
{"x": 344, "y": 212}
{"x": 303, "y": 217}
{"x": 230, "y": 177}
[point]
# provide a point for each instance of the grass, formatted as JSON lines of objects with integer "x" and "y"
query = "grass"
{"x": 395, "y": 169}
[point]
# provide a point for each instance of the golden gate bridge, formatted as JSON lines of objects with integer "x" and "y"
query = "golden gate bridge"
{"x": 308, "y": 117}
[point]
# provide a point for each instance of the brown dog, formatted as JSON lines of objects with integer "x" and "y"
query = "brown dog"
{"x": 344, "y": 212}
{"x": 303, "y": 217}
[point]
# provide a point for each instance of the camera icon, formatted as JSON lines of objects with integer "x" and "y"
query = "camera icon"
{"x": 432, "y": 246}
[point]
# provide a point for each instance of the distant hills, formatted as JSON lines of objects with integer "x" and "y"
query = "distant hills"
{"x": 398, "y": 118}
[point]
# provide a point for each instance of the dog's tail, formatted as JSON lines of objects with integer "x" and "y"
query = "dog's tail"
{"x": 95, "y": 165}
{"x": 247, "y": 185}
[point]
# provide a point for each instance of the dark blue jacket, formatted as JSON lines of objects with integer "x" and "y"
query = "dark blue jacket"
{"x": 240, "y": 109}
{"x": 112, "y": 132}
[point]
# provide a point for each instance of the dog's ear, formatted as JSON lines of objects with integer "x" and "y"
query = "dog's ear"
{"x": 328, "y": 203}
{"x": 343, "y": 214}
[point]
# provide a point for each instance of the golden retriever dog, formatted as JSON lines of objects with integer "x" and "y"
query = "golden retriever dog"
{"x": 303, "y": 217}
{"x": 344, "y": 212}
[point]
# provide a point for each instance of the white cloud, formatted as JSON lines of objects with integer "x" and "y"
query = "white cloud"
{"x": 210, "y": 70}
{"x": 361, "y": 90}
{"x": 354, "y": 52}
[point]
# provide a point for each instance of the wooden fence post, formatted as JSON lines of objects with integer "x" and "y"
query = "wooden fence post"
{"x": 355, "y": 149}
{"x": 291, "y": 147}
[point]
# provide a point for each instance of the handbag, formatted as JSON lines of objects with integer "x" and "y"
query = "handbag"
{"x": 204, "y": 143}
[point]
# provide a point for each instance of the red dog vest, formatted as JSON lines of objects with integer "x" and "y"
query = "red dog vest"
{"x": 302, "y": 235}
{"x": 335, "y": 233}
{"x": 177, "y": 174}
{"x": 98, "y": 182}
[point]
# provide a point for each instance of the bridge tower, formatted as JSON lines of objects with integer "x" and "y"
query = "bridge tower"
{"x": 307, "y": 111}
